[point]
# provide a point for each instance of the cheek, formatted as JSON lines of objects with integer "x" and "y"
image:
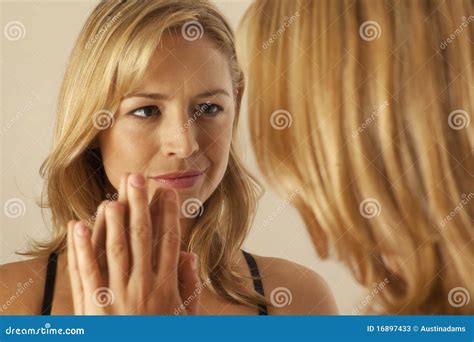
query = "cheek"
{"x": 123, "y": 150}
{"x": 216, "y": 145}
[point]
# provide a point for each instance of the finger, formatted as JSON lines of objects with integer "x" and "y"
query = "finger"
{"x": 169, "y": 240}
{"x": 117, "y": 247}
{"x": 74, "y": 276}
{"x": 154, "y": 208}
{"x": 190, "y": 287}
{"x": 89, "y": 272}
{"x": 123, "y": 198}
{"x": 99, "y": 235}
{"x": 98, "y": 231}
{"x": 140, "y": 226}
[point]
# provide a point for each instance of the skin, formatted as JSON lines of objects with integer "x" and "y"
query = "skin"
{"x": 181, "y": 70}
{"x": 141, "y": 267}
{"x": 168, "y": 141}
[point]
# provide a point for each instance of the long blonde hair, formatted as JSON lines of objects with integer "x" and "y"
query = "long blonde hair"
{"x": 108, "y": 61}
{"x": 362, "y": 109}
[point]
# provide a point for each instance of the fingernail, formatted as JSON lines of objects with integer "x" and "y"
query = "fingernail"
{"x": 193, "y": 261}
{"x": 80, "y": 229}
{"x": 137, "y": 180}
{"x": 169, "y": 195}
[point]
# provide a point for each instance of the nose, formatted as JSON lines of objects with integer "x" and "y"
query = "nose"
{"x": 178, "y": 135}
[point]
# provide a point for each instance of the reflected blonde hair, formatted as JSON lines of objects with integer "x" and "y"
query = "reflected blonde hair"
{"x": 362, "y": 109}
{"x": 108, "y": 61}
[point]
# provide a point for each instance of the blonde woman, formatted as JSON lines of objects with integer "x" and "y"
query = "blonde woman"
{"x": 150, "y": 202}
{"x": 363, "y": 109}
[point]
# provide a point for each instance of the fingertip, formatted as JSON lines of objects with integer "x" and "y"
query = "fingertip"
{"x": 102, "y": 206}
{"x": 170, "y": 202}
{"x": 104, "y": 203}
{"x": 170, "y": 195}
{"x": 115, "y": 205}
{"x": 137, "y": 180}
{"x": 185, "y": 259}
{"x": 81, "y": 230}
{"x": 193, "y": 261}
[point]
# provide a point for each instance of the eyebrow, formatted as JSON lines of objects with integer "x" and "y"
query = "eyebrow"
{"x": 157, "y": 96}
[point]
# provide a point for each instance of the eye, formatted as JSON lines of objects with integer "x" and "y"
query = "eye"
{"x": 208, "y": 109}
{"x": 145, "y": 112}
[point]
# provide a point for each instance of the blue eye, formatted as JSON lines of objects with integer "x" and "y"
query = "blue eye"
{"x": 208, "y": 109}
{"x": 145, "y": 112}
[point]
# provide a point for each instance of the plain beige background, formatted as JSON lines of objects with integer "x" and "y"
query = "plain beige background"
{"x": 32, "y": 66}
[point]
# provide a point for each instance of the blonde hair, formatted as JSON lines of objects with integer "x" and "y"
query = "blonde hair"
{"x": 361, "y": 109}
{"x": 108, "y": 61}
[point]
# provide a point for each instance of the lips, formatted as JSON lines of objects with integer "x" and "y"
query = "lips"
{"x": 180, "y": 179}
{"x": 175, "y": 175}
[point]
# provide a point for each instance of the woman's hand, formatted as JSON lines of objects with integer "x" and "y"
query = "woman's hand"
{"x": 133, "y": 263}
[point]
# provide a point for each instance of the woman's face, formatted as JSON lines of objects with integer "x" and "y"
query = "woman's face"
{"x": 179, "y": 120}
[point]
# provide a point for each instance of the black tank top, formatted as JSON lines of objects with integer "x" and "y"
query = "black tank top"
{"x": 51, "y": 277}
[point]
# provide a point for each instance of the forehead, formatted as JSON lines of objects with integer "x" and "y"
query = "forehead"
{"x": 178, "y": 62}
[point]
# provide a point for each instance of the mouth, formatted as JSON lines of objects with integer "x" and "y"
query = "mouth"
{"x": 180, "y": 179}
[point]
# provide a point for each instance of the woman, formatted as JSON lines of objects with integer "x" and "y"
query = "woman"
{"x": 362, "y": 108}
{"x": 144, "y": 154}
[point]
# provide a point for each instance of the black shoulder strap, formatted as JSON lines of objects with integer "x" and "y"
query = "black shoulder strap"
{"x": 49, "y": 284}
{"x": 257, "y": 280}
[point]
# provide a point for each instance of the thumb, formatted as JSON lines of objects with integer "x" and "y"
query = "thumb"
{"x": 190, "y": 287}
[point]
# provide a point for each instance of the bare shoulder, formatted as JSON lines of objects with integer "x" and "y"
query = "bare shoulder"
{"x": 21, "y": 286}
{"x": 293, "y": 289}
